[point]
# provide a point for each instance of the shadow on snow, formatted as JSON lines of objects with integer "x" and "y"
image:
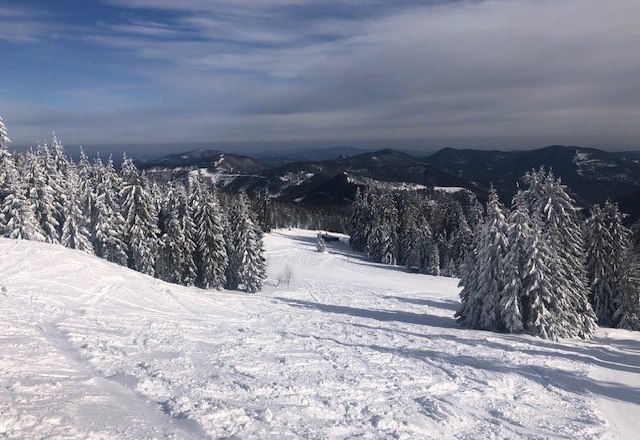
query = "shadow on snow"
{"x": 378, "y": 315}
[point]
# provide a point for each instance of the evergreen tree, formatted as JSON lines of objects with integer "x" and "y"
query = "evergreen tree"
{"x": 407, "y": 230}
{"x": 534, "y": 188}
{"x": 382, "y": 244}
{"x": 176, "y": 260}
{"x": 601, "y": 273}
{"x": 635, "y": 236}
{"x": 42, "y": 198}
{"x": 518, "y": 236}
{"x": 141, "y": 230}
{"x": 455, "y": 235}
{"x": 542, "y": 313}
{"x": 4, "y": 135}
{"x": 188, "y": 245}
{"x": 171, "y": 250}
{"x": 74, "y": 230}
{"x": 87, "y": 190}
{"x": 211, "y": 252}
{"x": 358, "y": 234}
{"x": 479, "y": 307}
{"x": 563, "y": 232}
{"x": 433, "y": 262}
{"x": 6, "y": 163}
{"x": 265, "y": 217}
{"x": 237, "y": 212}
{"x": 253, "y": 263}
{"x": 17, "y": 219}
{"x": 428, "y": 258}
{"x": 491, "y": 254}
{"x": 410, "y": 240}
{"x": 246, "y": 263}
{"x": 57, "y": 171}
{"x": 627, "y": 315}
{"x": 109, "y": 226}
{"x": 612, "y": 268}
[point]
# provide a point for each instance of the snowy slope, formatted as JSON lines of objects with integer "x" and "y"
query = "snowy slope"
{"x": 351, "y": 349}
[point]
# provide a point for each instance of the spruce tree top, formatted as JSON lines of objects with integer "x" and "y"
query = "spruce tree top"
{"x": 4, "y": 137}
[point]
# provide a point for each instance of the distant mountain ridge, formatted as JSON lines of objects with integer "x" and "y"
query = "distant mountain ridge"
{"x": 592, "y": 175}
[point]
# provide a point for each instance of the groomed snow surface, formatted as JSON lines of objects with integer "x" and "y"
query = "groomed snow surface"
{"x": 351, "y": 349}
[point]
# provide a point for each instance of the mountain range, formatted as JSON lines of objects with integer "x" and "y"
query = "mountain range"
{"x": 331, "y": 176}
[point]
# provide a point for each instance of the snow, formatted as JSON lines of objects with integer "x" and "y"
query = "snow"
{"x": 351, "y": 349}
{"x": 587, "y": 165}
{"x": 385, "y": 184}
{"x": 296, "y": 178}
{"x": 449, "y": 189}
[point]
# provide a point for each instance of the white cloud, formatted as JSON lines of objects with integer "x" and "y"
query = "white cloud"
{"x": 529, "y": 68}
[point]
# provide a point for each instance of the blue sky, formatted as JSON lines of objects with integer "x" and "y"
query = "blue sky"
{"x": 407, "y": 74}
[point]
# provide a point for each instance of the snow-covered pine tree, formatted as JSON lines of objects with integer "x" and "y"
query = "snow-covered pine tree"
{"x": 627, "y": 315}
{"x": 189, "y": 269}
{"x": 320, "y": 244}
{"x": 265, "y": 215}
{"x": 600, "y": 266}
{"x": 211, "y": 252}
{"x": 479, "y": 308}
{"x": 57, "y": 170}
{"x": 635, "y": 236}
{"x": 176, "y": 261}
{"x": 542, "y": 308}
{"x": 170, "y": 259}
{"x": 491, "y": 254}
{"x": 6, "y": 162}
{"x": 17, "y": 218}
{"x": 109, "y": 225}
{"x": 87, "y": 190}
{"x": 534, "y": 188}
{"x": 428, "y": 259}
{"x": 518, "y": 236}
{"x": 4, "y": 135}
{"x": 358, "y": 231}
{"x": 410, "y": 240}
{"x": 246, "y": 263}
{"x": 382, "y": 244}
{"x": 42, "y": 198}
{"x": 253, "y": 263}
{"x": 141, "y": 230}
{"x": 74, "y": 230}
{"x": 237, "y": 211}
{"x": 433, "y": 260}
{"x": 612, "y": 267}
{"x": 624, "y": 267}
{"x": 455, "y": 236}
{"x": 407, "y": 233}
{"x": 563, "y": 233}
{"x": 466, "y": 315}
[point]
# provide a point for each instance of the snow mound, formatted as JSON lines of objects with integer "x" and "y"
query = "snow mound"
{"x": 349, "y": 349}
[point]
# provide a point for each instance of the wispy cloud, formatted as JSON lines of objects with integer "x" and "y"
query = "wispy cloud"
{"x": 277, "y": 69}
{"x": 19, "y": 24}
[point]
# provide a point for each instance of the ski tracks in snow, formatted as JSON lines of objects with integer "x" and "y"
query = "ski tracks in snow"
{"x": 351, "y": 350}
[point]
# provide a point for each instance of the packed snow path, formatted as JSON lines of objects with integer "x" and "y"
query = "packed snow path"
{"x": 350, "y": 349}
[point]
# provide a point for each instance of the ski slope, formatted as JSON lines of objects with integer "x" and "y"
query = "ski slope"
{"x": 352, "y": 349}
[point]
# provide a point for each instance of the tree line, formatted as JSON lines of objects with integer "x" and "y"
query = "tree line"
{"x": 425, "y": 232}
{"x": 538, "y": 268}
{"x": 176, "y": 232}
{"x": 541, "y": 269}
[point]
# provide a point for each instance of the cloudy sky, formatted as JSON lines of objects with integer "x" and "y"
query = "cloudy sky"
{"x": 414, "y": 74}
